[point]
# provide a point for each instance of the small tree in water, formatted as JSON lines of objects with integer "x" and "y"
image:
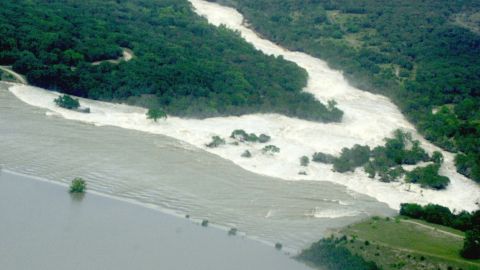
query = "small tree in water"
{"x": 67, "y": 102}
{"x": 156, "y": 114}
{"x": 78, "y": 185}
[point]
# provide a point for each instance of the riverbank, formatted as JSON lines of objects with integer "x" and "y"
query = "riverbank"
{"x": 43, "y": 227}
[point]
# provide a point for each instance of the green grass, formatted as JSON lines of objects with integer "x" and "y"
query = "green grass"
{"x": 396, "y": 244}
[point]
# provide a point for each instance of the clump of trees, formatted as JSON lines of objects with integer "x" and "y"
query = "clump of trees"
{"x": 464, "y": 221}
{"x": 385, "y": 161}
{"x": 270, "y": 149}
{"x": 78, "y": 185}
{"x": 428, "y": 177}
{"x": 350, "y": 159}
{"x": 67, "y": 102}
{"x": 331, "y": 253}
{"x": 216, "y": 142}
{"x": 243, "y": 136}
{"x": 156, "y": 114}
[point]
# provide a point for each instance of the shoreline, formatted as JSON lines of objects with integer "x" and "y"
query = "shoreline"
{"x": 36, "y": 188}
{"x": 154, "y": 207}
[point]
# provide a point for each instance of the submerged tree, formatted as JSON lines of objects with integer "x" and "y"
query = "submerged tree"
{"x": 78, "y": 185}
{"x": 67, "y": 102}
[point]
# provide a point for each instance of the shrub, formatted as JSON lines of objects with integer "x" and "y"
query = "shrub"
{"x": 216, "y": 142}
{"x": 263, "y": 138}
{"x": 247, "y": 154}
{"x": 204, "y": 223}
{"x": 232, "y": 231}
{"x": 272, "y": 149}
{"x": 304, "y": 161}
{"x": 67, "y": 102}
{"x": 323, "y": 158}
{"x": 278, "y": 246}
{"x": 78, "y": 185}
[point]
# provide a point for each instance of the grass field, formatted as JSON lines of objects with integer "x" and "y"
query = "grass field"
{"x": 408, "y": 244}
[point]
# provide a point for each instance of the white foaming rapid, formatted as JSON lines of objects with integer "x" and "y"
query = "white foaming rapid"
{"x": 368, "y": 120}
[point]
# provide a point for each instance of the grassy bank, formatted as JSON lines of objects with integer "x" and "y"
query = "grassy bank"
{"x": 403, "y": 243}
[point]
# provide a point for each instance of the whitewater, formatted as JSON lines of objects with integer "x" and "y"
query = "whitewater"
{"x": 368, "y": 119}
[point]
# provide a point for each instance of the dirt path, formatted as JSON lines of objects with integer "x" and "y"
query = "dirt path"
{"x": 127, "y": 56}
{"x": 432, "y": 228}
{"x": 18, "y": 77}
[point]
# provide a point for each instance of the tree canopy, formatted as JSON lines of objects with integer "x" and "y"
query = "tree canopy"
{"x": 182, "y": 64}
{"x": 418, "y": 53}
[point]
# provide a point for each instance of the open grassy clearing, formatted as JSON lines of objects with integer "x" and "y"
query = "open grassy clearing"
{"x": 408, "y": 244}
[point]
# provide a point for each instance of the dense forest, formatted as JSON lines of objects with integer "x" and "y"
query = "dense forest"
{"x": 182, "y": 65}
{"x": 424, "y": 55}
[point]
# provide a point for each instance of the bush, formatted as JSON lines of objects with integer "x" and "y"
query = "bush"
{"x": 67, "y": 102}
{"x": 216, "y": 142}
{"x": 232, "y": 231}
{"x": 278, "y": 246}
{"x": 323, "y": 158}
{"x": 204, "y": 223}
{"x": 263, "y": 138}
{"x": 247, "y": 154}
{"x": 304, "y": 161}
{"x": 271, "y": 149}
{"x": 78, "y": 185}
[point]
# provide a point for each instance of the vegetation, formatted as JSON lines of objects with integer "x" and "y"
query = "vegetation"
{"x": 304, "y": 161}
{"x": 423, "y": 55}
{"x": 471, "y": 245}
{"x": 464, "y": 221}
{"x": 156, "y": 114}
{"x": 278, "y": 246}
{"x": 407, "y": 244}
{"x": 247, "y": 154}
{"x": 182, "y": 64}
{"x": 385, "y": 161}
{"x": 232, "y": 231}
{"x": 428, "y": 177}
{"x": 441, "y": 215}
{"x": 331, "y": 254}
{"x": 216, "y": 142}
{"x": 67, "y": 102}
{"x": 323, "y": 158}
{"x": 270, "y": 149}
{"x": 243, "y": 136}
{"x": 78, "y": 185}
{"x": 204, "y": 223}
{"x": 352, "y": 158}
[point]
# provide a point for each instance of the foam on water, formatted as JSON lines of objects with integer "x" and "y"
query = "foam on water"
{"x": 368, "y": 120}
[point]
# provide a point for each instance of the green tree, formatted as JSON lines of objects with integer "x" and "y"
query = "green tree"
{"x": 471, "y": 245}
{"x": 67, "y": 102}
{"x": 78, "y": 185}
{"x": 156, "y": 114}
